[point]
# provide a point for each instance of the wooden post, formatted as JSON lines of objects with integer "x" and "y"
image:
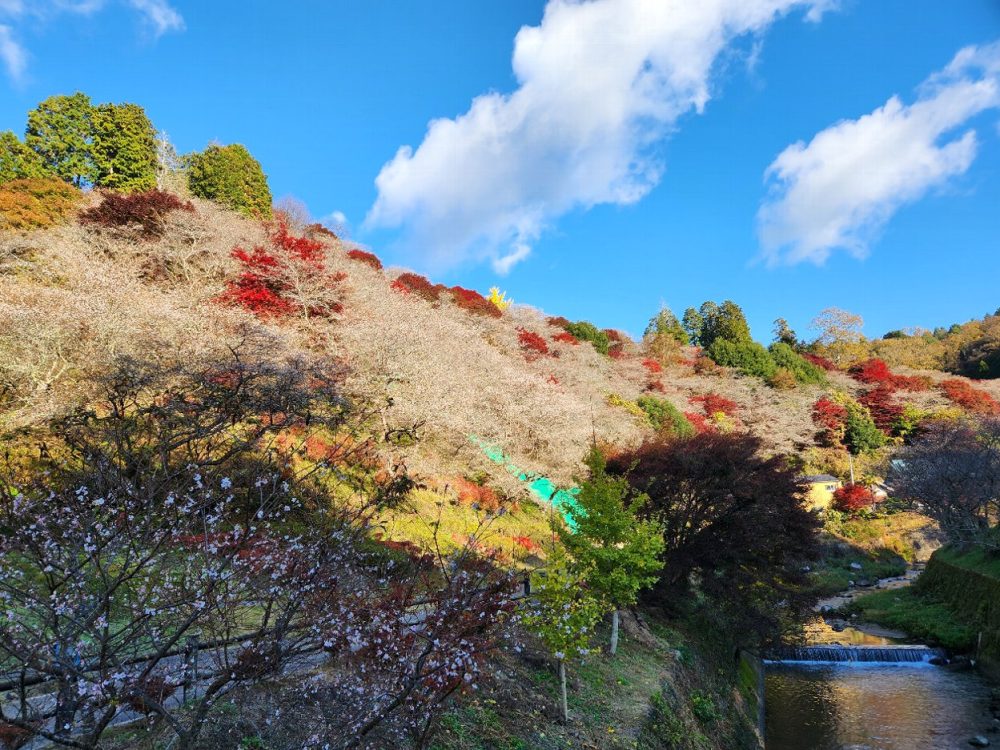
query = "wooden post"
{"x": 562, "y": 691}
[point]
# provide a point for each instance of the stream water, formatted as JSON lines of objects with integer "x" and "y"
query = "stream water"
{"x": 871, "y": 693}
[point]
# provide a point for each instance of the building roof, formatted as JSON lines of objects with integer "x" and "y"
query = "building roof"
{"x": 820, "y": 478}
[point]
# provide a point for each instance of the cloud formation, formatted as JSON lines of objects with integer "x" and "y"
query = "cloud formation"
{"x": 158, "y": 14}
{"x": 838, "y": 191}
{"x": 12, "y": 54}
{"x": 601, "y": 83}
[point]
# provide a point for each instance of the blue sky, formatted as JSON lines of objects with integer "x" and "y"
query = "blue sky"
{"x": 643, "y": 152}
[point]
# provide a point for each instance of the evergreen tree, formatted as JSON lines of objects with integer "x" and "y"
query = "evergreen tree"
{"x": 665, "y": 323}
{"x": 123, "y": 148}
{"x": 725, "y": 322}
{"x": 17, "y": 161}
{"x": 232, "y": 177}
{"x": 693, "y": 323}
{"x": 60, "y": 131}
{"x": 783, "y": 334}
{"x": 620, "y": 551}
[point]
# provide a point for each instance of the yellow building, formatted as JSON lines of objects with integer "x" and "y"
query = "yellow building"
{"x": 821, "y": 489}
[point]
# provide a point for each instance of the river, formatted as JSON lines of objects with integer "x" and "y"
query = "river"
{"x": 872, "y": 693}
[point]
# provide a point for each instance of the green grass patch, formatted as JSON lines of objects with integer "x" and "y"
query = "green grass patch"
{"x": 923, "y": 618}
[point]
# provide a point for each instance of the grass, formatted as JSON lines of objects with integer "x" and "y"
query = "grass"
{"x": 923, "y": 618}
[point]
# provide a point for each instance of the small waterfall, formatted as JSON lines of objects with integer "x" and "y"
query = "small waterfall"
{"x": 834, "y": 654}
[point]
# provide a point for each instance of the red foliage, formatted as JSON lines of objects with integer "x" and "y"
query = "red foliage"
{"x": 652, "y": 365}
{"x": 265, "y": 285}
{"x": 616, "y": 352}
{"x": 532, "y": 342}
{"x": 871, "y": 371}
{"x": 853, "y": 497}
{"x": 705, "y": 365}
{"x": 972, "y": 399}
{"x": 713, "y": 403}
{"x": 614, "y": 335}
{"x": 318, "y": 229}
{"x": 363, "y": 256}
{"x": 146, "y": 210}
{"x": 877, "y": 372}
{"x": 558, "y": 321}
{"x": 566, "y": 338}
{"x": 828, "y": 414}
{"x": 819, "y": 361}
{"x": 881, "y": 403}
{"x": 655, "y": 385}
{"x": 479, "y": 495}
{"x": 699, "y": 422}
{"x": 475, "y": 303}
{"x": 552, "y": 379}
{"x": 412, "y": 283}
{"x": 526, "y": 543}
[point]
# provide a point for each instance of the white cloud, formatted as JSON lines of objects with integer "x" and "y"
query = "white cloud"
{"x": 159, "y": 14}
{"x": 12, "y": 54}
{"x": 601, "y": 84}
{"x": 839, "y": 190}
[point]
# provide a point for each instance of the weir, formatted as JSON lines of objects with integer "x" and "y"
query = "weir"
{"x": 834, "y": 654}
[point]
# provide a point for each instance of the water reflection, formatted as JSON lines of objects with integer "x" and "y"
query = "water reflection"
{"x": 881, "y": 707}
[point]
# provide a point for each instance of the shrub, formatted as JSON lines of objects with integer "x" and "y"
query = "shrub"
{"x": 885, "y": 411}
{"x": 831, "y": 418}
{"x": 479, "y": 496}
{"x": 972, "y": 399}
{"x": 664, "y": 416}
{"x": 748, "y": 357}
{"x": 566, "y": 338}
{"x": 871, "y": 371}
{"x": 699, "y": 422}
{"x": 363, "y": 256}
{"x": 653, "y": 366}
{"x": 147, "y": 211}
{"x": 705, "y": 365}
{"x": 499, "y": 299}
{"x": 532, "y": 342}
{"x": 473, "y": 302}
{"x": 17, "y": 161}
{"x": 801, "y": 369}
{"x": 853, "y": 497}
{"x": 616, "y": 352}
{"x": 821, "y": 362}
{"x": 36, "y": 203}
{"x": 783, "y": 379}
{"x": 861, "y": 435}
{"x": 412, "y": 283}
{"x": 655, "y": 385}
{"x": 584, "y": 331}
{"x": 713, "y": 403}
{"x": 287, "y": 276}
{"x": 231, "y": 176}
{"x": 557, "y": 321}
{"x": 630, "y": 406}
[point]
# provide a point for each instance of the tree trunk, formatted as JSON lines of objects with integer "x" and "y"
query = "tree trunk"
{"x": 614, "y": 633}
{"x": 562, "y": 691}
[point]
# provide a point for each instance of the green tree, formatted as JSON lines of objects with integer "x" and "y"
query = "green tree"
{"x": 693, "y": 323}
{"x": 232, "y": 177}
{"x": 60, "y": 131}
{"x": 17, "y": 161}
{"x": 665, "y": 323}
{"x": 123, "y": 148}
{"x": 606, "y": 536}
{"x": 563, "y": 612}
{"x": 783, "y": 333}
{"x": 861, "y": 435}
{"x": 725, "y": 322}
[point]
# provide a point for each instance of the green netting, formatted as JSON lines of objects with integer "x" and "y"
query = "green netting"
{"x": 543, "y": 488}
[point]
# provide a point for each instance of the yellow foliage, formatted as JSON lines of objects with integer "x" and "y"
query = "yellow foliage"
{"x": 499, "y": 298}
{"x": 36, "y": 203}
{"x": 630, "y": 406}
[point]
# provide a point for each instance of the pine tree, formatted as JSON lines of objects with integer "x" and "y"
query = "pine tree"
{"x": 60, "y": 131}
{"x": 232, "y": 177}
{"x": 123, "y": 148}
{"x": 606, "y": 536}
